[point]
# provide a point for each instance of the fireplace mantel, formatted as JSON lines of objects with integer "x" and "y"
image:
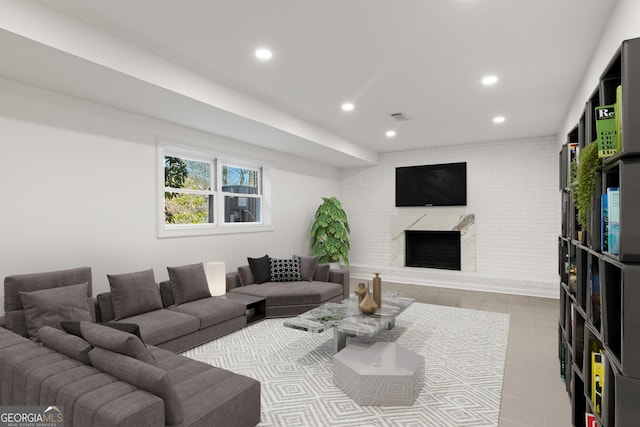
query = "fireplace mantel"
{"x": 466, "y": 224}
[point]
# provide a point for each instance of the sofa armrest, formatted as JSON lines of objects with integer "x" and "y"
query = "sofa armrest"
{"x": 96, "y": 308}
{"x": 233, "y": 280}
{"x": 106, "y": 307}
{"x": 166, "y": 293}
{"x": 341, "y": 277}
{"x": 3, "y": 324}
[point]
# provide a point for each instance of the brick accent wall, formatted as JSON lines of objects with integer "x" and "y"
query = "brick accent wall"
{"x": 512, "y": 188}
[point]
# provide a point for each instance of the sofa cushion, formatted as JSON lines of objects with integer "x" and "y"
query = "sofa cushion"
{"x": 188, "y": 283}
{"x": 284, "y": 270}
{"x": 209, "y": 397}
{"x": 308, "y": 265}
{"x": 322, "y": 273}
{"x": 208, "y": 394}
{"x": 211, "y": 311}
{"x": 293, "y": 293}
{"x": 134, "y": 293}
{"x": 9, "y": 339}
{"x": 118, "y": 404}
{"x": 14, "y": 284}
{"x": 159, "y": 326}
{"x": 48, "y": 307}
{"x": 67, "y": 344}
{"x": 260, "y": 269}
{"x": 117, "y": 341}
{"x": 142, "y": 375}
{"x": 28, "y": 367}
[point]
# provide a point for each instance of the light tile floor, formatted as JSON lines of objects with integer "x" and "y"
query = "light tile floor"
{"x": 533, "y": 395}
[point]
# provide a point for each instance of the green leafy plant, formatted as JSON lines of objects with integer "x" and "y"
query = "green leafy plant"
{"x": 330, "y": 232}
{"x": 583, "y": 190}
{"x": 573, "y": 177}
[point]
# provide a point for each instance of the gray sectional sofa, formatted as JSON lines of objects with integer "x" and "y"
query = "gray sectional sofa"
{"x": 107, "y": 377}
{"x": 181, "y": 314}
{"x": 287, "y": 293}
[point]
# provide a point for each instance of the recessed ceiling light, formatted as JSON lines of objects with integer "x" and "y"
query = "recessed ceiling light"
{"x": 489, "y": 80}
{"x": 390, "y": 133}
{"x": 264, "y": 54}
{"x": 347, "y": 106}
{"x": 498, "y": 119}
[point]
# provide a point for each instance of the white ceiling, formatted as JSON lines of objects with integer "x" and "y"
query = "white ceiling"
{"x": 421, "y": 57}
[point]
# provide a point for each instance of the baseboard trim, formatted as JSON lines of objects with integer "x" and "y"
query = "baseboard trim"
{"x": 471, "y": 281}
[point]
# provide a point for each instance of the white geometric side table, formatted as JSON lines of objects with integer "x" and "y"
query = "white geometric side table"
{"x": 379, "y": 373}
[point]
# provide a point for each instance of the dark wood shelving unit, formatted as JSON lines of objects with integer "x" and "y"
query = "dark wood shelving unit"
{"x": 599, "y": 291}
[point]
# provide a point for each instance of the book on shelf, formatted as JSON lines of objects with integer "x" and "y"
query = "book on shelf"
{"x": 594, "y": 283}
{"x": 613, "y": 227}
{"x": 597, "y": 377}
{"x": 572, "y": 320}
{"x": 604, "y": 223}
{"x": 618, "y": 108}
{"x": 563, "y": 360}
{"x": 590, "y": 420}
{"x": 606, "y": 130}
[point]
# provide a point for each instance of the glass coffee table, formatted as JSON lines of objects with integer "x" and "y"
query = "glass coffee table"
{"x": 347, "y": 321}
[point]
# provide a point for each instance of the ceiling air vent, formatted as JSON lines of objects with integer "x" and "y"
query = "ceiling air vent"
{"x": 401, "y": 117}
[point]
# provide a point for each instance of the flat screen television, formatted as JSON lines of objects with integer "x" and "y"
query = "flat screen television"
{"x": 432, "y": 185}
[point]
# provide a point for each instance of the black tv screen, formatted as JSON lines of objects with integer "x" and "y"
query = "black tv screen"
{"x": 432, "y": 185}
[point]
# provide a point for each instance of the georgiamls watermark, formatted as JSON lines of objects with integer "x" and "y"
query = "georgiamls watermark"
{"x": 31, "y": 416}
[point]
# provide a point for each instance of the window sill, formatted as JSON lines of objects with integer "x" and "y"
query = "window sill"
{"x": 186, "y": 231}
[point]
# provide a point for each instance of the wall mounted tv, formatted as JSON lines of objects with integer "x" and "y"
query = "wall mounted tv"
{"x": 432, "y": 185}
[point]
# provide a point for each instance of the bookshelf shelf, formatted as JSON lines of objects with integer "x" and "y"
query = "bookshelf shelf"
{"x": 599, "y": 322}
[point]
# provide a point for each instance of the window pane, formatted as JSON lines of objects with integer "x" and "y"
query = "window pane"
{"x": 239, "y": 180}
{"x": 241, "y": 209}
{"x": 188, "y": 174}
{"x": 187, "y": 209}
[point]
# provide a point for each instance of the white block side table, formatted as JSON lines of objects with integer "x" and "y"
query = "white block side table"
{"x": 380, "y": 373}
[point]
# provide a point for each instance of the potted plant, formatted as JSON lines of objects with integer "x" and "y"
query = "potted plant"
{"x": 330, "y": 232}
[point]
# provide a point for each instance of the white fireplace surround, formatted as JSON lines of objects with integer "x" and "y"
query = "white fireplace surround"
{"x": 466, "y": 224}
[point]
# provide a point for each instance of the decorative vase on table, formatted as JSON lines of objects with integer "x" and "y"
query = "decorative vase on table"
{"x": 368, "y": 305}
{"x": 360, "y": 291}
{"x": 377, "y": 290}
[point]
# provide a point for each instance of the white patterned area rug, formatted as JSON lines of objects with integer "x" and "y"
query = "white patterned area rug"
{"x": 464, "y": 353}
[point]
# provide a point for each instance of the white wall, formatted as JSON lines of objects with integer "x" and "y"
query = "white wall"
{"x": 78, "y": 188}
{"x": 624, "y": 23}
{"x": 65, "y": 164}
{"x": 512, "y": 190}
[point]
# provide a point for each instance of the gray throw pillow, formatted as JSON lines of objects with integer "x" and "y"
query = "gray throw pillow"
{"x": 308, "y": 265}
{"x": 260, "y": 268}
{"x": 188, "y": 283}
{"x": 49, "y": 307}
{"x": 134, "y": 293}
{"x": 142, "y": 375}
{"x": 67, "y": 344}
{"x": 285, "y": 270}
{"x": 116, "y": 341}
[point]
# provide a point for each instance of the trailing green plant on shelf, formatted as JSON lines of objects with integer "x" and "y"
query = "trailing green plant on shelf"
{"x": 330, "y": 232}
{"x": 573, "y": 176}
{"x": 583, "y": 186}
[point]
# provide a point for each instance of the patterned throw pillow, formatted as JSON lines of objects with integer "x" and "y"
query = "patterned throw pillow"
{"x": 285, "y": 270}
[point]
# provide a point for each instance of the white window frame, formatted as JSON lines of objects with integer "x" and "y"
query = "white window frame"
{"x": 165, "y": 148}
{"x": 222, "y": 162}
